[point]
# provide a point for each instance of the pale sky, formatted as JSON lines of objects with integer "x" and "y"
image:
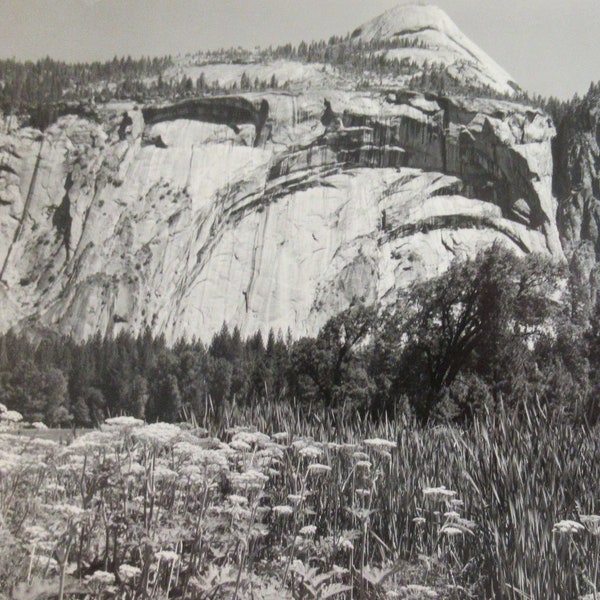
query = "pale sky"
{"x": 548, "y": 46}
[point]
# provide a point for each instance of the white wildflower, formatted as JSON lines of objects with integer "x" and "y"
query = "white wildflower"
{"x": 363, "y": 492}
{"x": 240, "y": 446}
{"x": 346, "y": 544}
{"x": 452, "y": 514}
{"x": 281, "y": 436}
{"x": 214, "y": 461}
{"x": 591, "y": 523}
{"x": 379, "y": 444}
{"x": 93, "y": 440}
{"x": 311, "y": 452}
{"x": 451, "y": 531}
{"x": 162, "y": 473}
{"x": 69, "y": 511}
{"x": 439, "y": 492}
{"x": 249, "y": 480}
{"x": 252, "y": 438}
{"x": 419, "y": 521}
{"x": 283, "y": 509}
{"x": 36, "y": 533}
{"x": 237, "y": 499}
{"x": 568, "y": 526}
{"x": 54, "y": 487}
{"x": 11, "y": 416}
{"x": 100, "y": 578}
{"x": 360, "y": 456}
{"x": 128, "y": 572}
{"x": 318, "y": 468}
{"x": 135, "y": 469}
{"x": 42, "y": 444}
{"x": 272, "y": 451}
{"x": 39, "y": 426}
{"x": 3, "y": 408}
{"x": 124, "y": 422}
{"x": 157, "y": 434}
{"x": 308, "y": 531}
{"x": 167, "y": 556}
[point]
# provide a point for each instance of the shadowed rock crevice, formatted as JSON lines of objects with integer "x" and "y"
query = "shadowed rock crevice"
{"x": 225, "y": 110}
{"x": 62, "y": 220}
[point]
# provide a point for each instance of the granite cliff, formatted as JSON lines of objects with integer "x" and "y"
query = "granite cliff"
{"x": 272, "y": 209}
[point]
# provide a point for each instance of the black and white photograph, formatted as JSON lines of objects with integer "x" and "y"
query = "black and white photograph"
{"x": 299, "y": 300}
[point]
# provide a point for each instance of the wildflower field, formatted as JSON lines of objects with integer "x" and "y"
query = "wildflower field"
{"x": 273, "y": 502}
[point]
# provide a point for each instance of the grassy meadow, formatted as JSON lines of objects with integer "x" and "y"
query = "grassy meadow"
{"x": 279, "y": 502}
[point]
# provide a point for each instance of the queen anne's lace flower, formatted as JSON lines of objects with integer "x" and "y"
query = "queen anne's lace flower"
{"x": 438, "y": 493}
{"x": 128, "y": 572}
{"x": 240, "y": 446}
{"x": 379, "y": 444}
{"x": 237, "y": 499}
{"x": 318, "y": 468}
{"x": 283, "y": 509}
{"x": 167, "y": 556}
{"x": 11, "y": 416}
{"x": 568, "y": 526}
{"x": 360, "y": 456}
{"x": 124, "y": 422}
{"x": 308, "y": 531}
{"x": 252, "y": 438}
{"x": 157, "y": 434}
{"x": 451, "y": 531}
{"x": 100, "y": 578}
{"x": 311, "y": 452}
{"x": 249, "y": 480}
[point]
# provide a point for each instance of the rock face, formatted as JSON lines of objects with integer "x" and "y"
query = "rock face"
{"x": 427, "y": 34}
{"x": 183, "y": 222}
{"x": 576, "y": 151}
{"x": 577, "y": 178}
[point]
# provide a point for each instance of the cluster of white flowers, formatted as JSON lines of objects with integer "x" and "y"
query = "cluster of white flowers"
{"x": 311, "y": 452}
{"x": 569, "y": 527}
{"x": 100, "y": 579}
{"x": 124, "y": 421}
{"x": 318, "y": 468}
{"x": 308, "y": 531}
{"x": 167, "y": 556}
{"x": 252, "y": 438}
{"x": 11, "y": 416}
{"x": 129, "y": 572}
{"x": 249, "y": 480}
{"x": 439, "y": 493}
{"x": 157, "y": 434}
{"x": 283, "y": 509}
{"x": 379, "y": 444}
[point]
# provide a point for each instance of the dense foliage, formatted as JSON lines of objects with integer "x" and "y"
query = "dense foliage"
{"x": 33, "y": 87}
{"x": 496, "y": 330}
{"x": 28, "y": 85}
{"x": 302, "y": 505}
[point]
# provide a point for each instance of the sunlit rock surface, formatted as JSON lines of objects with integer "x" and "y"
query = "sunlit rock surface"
{"x": 183, "y": 224}
{"x": 431, "y": 36}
